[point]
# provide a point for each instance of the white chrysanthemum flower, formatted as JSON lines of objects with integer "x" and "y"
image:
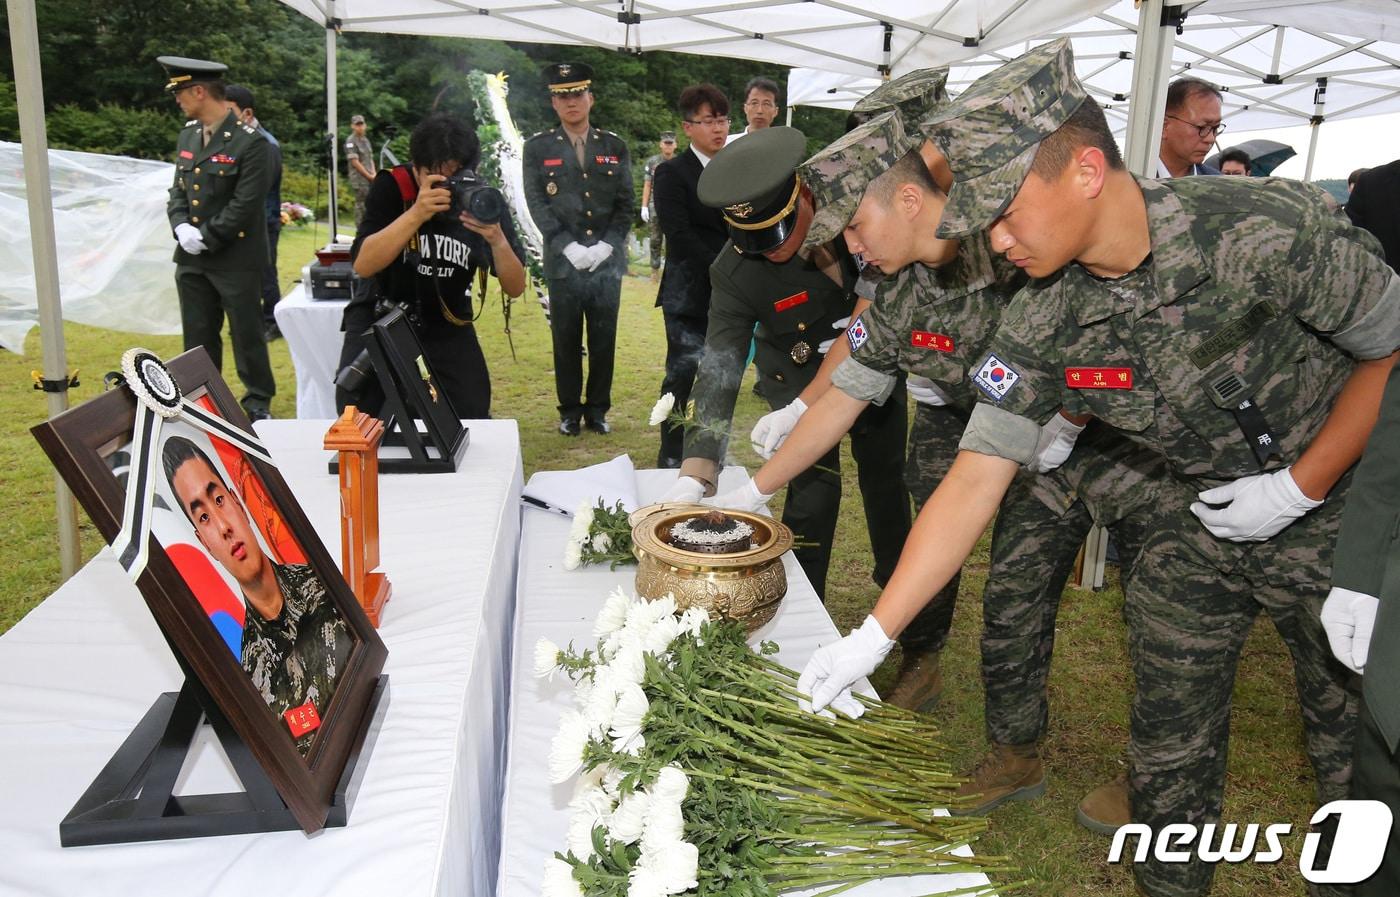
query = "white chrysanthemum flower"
{"x": 580, "y": 837}
{"x": 626, "y": 822}
{"x": 662, "y": 409}
{"x": 583, "y": 690}
{"x": 662, "y": 607}
{"x": 601, "y": 708}
{"x": 566, "y": 750}
{"x": 662, "y": 633}
{"x": 677, "y": 865}
{"x": 583, "y": 521}
{"x": 546, "y": 658}
{"x": 559, "y": 880}
{"x": 600, "y": 542}
{"x": 614, "y": 613}
{"x": 693, "y": 618}
{"x": 631, "y": 709}
{"x": 628, "y": 664}
{"x": 591, "y": 799}
{"x": 664, "y": 824}
{"x": 671, "y": 785}
{"x": 573, "y": 555}
{"x": 643, "y": 881}
{"x": 591, "y": 778}
{"x": 612, "y": 779}
{"x": 639, "y": 619}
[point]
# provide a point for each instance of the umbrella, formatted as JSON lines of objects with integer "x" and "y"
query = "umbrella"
{"x": 1264, "y": 156}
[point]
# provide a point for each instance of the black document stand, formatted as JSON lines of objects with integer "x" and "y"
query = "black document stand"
{"x": 394, "y": 351}
{"x": 131, "y": 799}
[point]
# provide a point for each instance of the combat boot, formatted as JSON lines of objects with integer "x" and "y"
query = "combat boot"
{"x": 1105, "y": 809}
{"x": 1008, "y": 772}
{"x": 919, "y": 684}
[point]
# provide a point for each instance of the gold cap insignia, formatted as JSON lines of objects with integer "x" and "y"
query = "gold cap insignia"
{"x": 739, "y": 210}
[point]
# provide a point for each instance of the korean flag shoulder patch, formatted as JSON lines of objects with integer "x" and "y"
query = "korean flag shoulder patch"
{"x": 995, "y": 378}
{"x": 857, "y": 334}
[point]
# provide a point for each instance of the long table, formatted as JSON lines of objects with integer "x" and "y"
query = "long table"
{"x": 560, "y": 604}
{"x": 311, "y": 328}
{"x": 80, "y": 670}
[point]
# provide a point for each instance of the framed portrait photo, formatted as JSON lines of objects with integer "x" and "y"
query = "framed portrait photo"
{"x": 269, "y": 635}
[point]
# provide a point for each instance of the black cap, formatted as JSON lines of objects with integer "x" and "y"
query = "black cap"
{"x": 184, "y": 72}
{"x": 754, "y": 183}
{"x": 240, "y": 96}
{"x": 568, "y": 77}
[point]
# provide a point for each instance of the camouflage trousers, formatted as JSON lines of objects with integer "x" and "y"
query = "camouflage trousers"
{"x": 933, "y": 444}
{"x": 656, "y": 240}
{"x": 1040, "y": 527}
{"x": 1190, "y": 603}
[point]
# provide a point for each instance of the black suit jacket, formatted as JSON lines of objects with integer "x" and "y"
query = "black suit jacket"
{"x": 695, "y": 233}
{"x": 1375, "y": 205}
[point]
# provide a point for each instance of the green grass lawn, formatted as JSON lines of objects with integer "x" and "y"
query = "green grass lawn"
{"x": 1269, "y": 780}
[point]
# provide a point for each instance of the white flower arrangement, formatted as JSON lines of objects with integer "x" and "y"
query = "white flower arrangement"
{"x": 698, "y": 774}
{"x": 599, "y": 535}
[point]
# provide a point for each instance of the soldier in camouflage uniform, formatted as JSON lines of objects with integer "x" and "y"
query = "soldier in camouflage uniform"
{"x": 760, "y": 281}
{"x": 1239, "y": 330}
{"x": 295, "y": 643}
{"x": 222, "y": 171}
{"x": 656, "y": 240}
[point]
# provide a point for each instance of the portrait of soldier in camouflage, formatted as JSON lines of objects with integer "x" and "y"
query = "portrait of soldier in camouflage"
{"x": 295, "y": 643}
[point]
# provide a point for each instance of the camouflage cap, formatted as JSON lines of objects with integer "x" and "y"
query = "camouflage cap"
{"x": 991, "y": 131}
{"x": 839, "y": 174}
{"x": 914, "y": 95}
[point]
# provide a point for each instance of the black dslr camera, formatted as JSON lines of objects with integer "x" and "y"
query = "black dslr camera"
{"x": 474, "y": 196}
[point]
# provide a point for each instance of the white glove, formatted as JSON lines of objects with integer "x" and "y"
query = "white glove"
{"x": 646, "y": 215}
{"x": 773, "y": 427}
{"x": 597, "y": 254}
{"x": 745, "y": 498}
{"x": 189, "y": 238}
{"x": 578, "y": 255}
{"x": 834, "y": 668}
{"x": 685, "y": 489}
{"x": 1259, "y": 506}
{"x": 1348, "y": 618}
{"x": 925, "y": 391}
{"x": 1056, "y": 441}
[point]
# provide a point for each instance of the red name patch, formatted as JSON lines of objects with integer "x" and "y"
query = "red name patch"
{"x": 792, "y": 301}
{"x": 924, "y": 339}
{"x": 605, "y": 160}
{"x": 303, "y": 719}
{"x": 1099, "y": 378}
{"x": 186, "y": 154}
{"x": 551, "y": 163}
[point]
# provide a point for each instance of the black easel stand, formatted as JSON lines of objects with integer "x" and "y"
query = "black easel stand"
{"x": 131, "y": 799}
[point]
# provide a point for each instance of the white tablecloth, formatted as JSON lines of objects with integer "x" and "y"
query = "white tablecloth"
{"x": 561, "y": 605}
{"x": 82, "y": 668}
{"x": 311, "y": 328}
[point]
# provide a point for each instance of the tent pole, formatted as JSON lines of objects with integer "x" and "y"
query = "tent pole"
{"x": 1151, "y": 70}
{"x": 1315, "y": 125}
{"x": 332, "y": 126}
{"x": 34, "y": 142}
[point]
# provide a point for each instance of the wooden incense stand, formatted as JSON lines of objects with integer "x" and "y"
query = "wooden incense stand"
{"x": 356, "y": 436}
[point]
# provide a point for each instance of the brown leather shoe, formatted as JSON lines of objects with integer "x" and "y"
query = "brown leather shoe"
{"x": 1007, "y": 772}
{"x": 1105, "y": 809}
{"x": 920, "y": 683}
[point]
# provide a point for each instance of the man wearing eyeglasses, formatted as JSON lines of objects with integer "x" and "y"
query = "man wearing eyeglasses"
{"x": 1189, "y": 129}
{"x": 760, "y": 106}
{"x": 695, "y": 233}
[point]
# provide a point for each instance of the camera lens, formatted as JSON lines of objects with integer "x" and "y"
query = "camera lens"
{"x": 486, "y": 204}
{"x": 353, "y": 376}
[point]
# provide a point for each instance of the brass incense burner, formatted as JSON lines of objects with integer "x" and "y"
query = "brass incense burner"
{"x": 742, "y": 585}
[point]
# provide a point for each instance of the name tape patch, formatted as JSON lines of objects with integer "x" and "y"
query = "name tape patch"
{"x": 792, "y": 301}
{"x": 857, "y": 334}
{"x": 1099, "y": 378}
{"x": 303, "y": 719}
{"x": 551, "y": 163}
{"x": 925, "y": 339}
{"x": 995, "y": 378}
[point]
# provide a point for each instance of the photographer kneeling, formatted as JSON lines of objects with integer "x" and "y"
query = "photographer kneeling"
{"x": 429, "y": 228}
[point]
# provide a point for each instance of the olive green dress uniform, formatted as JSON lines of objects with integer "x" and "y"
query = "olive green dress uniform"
{"x": 1244, "y": 280}
{"x": 586, "y": 204}
{"x": 794, "y": 305}
{"x": 221, "y": 188}
{"x": 1367, "y": 560}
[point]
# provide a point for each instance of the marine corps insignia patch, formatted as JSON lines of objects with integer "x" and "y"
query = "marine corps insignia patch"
{"x": 801, "y": 352}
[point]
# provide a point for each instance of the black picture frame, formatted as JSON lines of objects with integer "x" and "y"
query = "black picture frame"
{"x": 78, "y": 443}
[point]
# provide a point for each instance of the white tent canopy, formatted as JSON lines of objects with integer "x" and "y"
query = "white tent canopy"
{"x": 1269, "y": 72}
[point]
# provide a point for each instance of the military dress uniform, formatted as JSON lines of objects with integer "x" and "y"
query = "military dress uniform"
{"x": 220, "y": 188}
{"x": 1224, "y": 352}
{"x": 297, "y": 657}
{"x": 586, "y": 203}
{"x": 794, "y": 305}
